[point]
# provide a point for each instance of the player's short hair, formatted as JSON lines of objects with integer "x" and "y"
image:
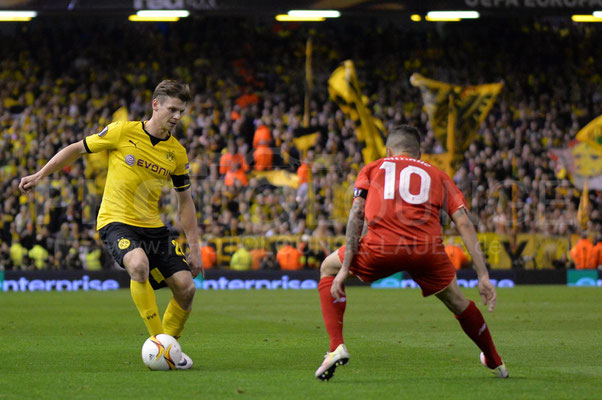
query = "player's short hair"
{"x": 404, "y": 139}
{"x": 171, "y": 88}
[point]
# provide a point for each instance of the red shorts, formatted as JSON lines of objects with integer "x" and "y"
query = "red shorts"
{"x": 427, "y": 264}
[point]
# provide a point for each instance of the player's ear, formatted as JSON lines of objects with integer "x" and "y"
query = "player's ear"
{"x": 155, "y": 104}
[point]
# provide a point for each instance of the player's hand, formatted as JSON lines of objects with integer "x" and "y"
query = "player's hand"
{"x": 27, "y": 183}
{"x": 487, "y": 292}
{"x": 336, "y": 289}
{"x": 195, "y": 262}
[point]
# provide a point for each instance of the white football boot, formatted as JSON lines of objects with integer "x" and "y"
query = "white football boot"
{"x": 340, "y": 356}
{"x": 500, "y": 371}
{"x": 185, "y": 362}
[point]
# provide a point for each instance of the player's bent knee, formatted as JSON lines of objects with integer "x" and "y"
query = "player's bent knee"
{"x": 330, "y": 266}
{"x": 184, "y": 295}
{"x": 136, "y": 264}
{"x": 189, "y": 291}
{"x": 185, "y": 289}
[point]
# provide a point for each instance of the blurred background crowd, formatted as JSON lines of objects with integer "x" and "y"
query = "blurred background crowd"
{"x": 247, "y": 76}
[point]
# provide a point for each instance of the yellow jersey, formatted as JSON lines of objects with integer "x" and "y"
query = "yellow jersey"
{"x": 140, "y": 165}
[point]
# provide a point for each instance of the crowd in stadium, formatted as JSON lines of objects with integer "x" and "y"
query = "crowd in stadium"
{"x": 247, "y": 77}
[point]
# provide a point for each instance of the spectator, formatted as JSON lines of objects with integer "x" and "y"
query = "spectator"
{"x": 208, "y": 255}
{"x": 17, "y": 255}
{"x": 269, "y": 262}
{"x": 236, "y": 176}
{"x": 241, "y": 259}
{"x": 303, "y": 175}
{"x": 39, "y": 255}
{"x": 595, "y": 258}
{"x": 262, "y": 136}
{"x": 231, "y": 156}
{"x": 311, "y": 258}
{"x": 580, "y": 252}
{"x": 93, "y": 257}
{"x": 289, "y": 258}
{"x": 263, "y": 157}
{"x": 456, "y": 254}
{"x": 257, "y": 256}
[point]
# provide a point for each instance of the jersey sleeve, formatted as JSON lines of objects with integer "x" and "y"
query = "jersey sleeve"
{"x": 453, "y": 197}
{"x": 362, "y": 183}
{"x": 363, "y": 179}
{"x": 180, "y": 178}
{"x": 107, "y": 139}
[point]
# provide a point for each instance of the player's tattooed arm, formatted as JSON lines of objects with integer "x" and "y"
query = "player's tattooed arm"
{"x": 355, "y": 225}
{"x": 467, "y": 231}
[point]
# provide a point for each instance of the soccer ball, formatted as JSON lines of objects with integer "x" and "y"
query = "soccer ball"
{"x": 161, "y": 352}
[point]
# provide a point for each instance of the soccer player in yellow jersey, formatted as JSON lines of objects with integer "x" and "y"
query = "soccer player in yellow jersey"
{"x": 144, "y": 157}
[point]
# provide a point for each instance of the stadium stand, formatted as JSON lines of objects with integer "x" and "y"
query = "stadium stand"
{"x": 247, "y": 77}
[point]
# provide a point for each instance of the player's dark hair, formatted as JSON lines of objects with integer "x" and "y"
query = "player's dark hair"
{"x": 174, "y": 89}
{"x": 405, "y": 139}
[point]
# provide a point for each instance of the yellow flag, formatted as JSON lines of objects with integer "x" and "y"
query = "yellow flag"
{"x": 469, "y": 104}
{"x": 305, "y": 142}
{"x": 582, "y": 211}
{"x": 310, "y": 212}
{"x": 309, "y": 81}
{"x": 278, "y": 177}
{"x": 121, "y": 114}
{"x": 344, "y": 89}
{"x": 446, "y": 161}
{"x": 592, "y": 134}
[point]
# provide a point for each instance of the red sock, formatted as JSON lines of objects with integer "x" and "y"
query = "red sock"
{"x": 474, "y": 326}
{"x": 332, "y": 311}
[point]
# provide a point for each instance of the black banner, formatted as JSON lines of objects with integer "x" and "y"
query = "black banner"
{"x": 215, "y": 279}
{"x": 67, "y": 281}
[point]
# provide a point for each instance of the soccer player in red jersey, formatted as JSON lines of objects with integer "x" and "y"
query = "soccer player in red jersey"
{"x": 400, "y": 197}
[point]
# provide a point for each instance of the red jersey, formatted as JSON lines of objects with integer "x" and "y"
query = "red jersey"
{"x": 403, "y": 200}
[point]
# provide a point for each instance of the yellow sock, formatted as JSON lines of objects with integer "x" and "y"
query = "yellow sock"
{"x": 174, "y": 319}
{"x": 144, "y": 298}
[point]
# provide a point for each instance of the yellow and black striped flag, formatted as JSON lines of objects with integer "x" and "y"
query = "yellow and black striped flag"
{"x": 446, "y": 160}
{"x": 345, "y": 90}
{"x": 469, "y": 106}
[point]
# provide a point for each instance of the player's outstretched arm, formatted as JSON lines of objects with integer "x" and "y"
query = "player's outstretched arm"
{"x": 64, "y": 157}
{"x": 187, "y": 214}
{"x": 469, "y": 235}
{"x": 355, "y": 225}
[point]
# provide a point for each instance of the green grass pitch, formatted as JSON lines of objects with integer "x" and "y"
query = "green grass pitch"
{"x": 267, "y": 344}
